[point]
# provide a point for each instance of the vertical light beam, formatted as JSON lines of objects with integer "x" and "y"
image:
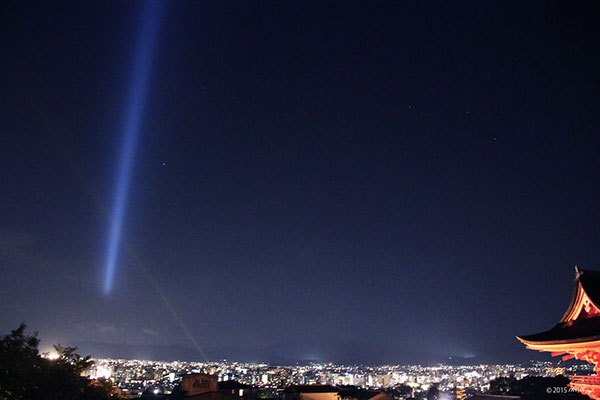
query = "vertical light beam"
{"x": 145, "y": 45}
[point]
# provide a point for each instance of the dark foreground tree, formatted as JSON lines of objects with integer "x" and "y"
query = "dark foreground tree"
{"x": 26, "y": 375}
{"x": 433, "y": 393}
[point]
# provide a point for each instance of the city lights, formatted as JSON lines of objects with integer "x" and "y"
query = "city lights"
{"x": 52, "y": 355}
{"x": 136, "y": 376}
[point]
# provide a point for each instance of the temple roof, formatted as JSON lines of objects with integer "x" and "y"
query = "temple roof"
{"x": 581, "y": 321}
{"x": 590, "y": 280}
{"x": 586, "y": 330}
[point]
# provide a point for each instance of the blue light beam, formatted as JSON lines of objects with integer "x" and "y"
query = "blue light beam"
{"x": 138, "y": 91}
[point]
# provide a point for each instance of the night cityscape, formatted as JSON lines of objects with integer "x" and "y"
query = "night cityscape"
{"x": 299, "y": 200}
{"x": 402, "y": 381}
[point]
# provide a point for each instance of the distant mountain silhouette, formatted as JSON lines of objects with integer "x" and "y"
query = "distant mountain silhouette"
{"x": 303, "y": 352}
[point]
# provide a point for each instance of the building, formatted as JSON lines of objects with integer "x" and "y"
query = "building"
{"x": 363, "y": 394}
{"x": 194, "y": 385}
{"x": 577, "y": 334}
{"x": 311, "y": 392}
{"x": 238, "y": 390}
{"x": 206, "y": 387}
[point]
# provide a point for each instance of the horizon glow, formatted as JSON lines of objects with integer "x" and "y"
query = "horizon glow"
{"x": 138, "y": 91}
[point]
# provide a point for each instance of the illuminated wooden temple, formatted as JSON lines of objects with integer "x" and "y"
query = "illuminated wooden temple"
{"x": 577, "y": 335}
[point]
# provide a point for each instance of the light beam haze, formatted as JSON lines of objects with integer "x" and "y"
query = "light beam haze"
{"x": 100, "y": 205}
{"x": 145, "y": 47}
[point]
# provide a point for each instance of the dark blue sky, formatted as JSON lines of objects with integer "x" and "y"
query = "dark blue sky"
{"x": 396, "y": 176}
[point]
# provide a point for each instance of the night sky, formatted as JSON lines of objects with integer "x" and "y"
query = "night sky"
{"x": 339, "y": 181}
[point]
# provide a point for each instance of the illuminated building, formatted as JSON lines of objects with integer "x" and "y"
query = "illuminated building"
{"x": 199, "y": 386}
{"x": 363, "y": 394}
{"x": 577, "y": 334}
{"x": 311, "y": 392}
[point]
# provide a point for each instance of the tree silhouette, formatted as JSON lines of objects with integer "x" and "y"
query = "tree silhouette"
{"x": 433, "y": 393}
{"x": 25, "y": 374}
